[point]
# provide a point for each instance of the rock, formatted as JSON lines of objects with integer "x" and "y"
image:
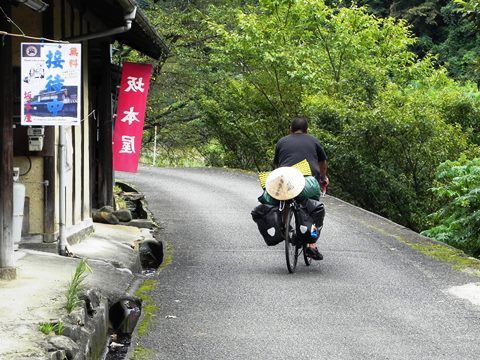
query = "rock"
{"x": 60, "y": 342}
{"x": 124, "y": 215}
{"x": 92, "y": 300}
{"x": 74, "y": 332}
{"x": 105, "y": 217}
{"x": 125, "y": 187}
{"x": 141, "y": 223}
{"x": 57, "y": 355}
{"x": 77, "y": 316}
{"x": 106, "y": 208}
{"x": 133, "y": 196}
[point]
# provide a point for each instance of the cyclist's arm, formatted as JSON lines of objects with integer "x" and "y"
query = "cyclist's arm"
{"x": 324, "y": 181}
{"x": 323, "y": 168}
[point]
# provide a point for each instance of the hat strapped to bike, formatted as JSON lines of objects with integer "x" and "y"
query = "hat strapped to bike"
{"x": 285, "y": 183}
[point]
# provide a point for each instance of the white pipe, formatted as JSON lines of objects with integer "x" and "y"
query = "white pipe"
{"x": 129, "y": 17}
{"x": 155, "y": 147}
{"x": 62, "y": 236}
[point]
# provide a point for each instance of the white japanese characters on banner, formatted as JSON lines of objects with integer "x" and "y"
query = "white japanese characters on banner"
{"x": 131, "y": 107}
{"x": 51, "y": 83}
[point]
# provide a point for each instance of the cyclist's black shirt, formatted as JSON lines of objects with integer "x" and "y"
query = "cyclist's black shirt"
{"x": 294, "y": 148}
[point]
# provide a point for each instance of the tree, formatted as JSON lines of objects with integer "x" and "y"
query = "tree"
{"x": 387, "y": 159}
{"x": 440, "y": 28}
{"x": 386, "y": 117}
{"x": 471, "y": 9}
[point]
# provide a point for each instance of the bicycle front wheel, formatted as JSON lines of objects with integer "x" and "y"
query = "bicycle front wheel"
{"x": 307, "y": 259}
{"x": 291, "y": 249}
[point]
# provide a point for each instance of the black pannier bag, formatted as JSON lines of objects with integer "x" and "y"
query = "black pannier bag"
{"x": 269, "y": 222}
{"x": 309, "y": 214}
{"x": 316, "y": 209}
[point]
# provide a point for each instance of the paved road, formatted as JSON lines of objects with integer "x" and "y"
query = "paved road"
{"x": 226, "y": 295}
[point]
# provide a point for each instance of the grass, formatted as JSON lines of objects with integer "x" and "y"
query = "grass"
{"x": 141, "y": 353}
{"x": 441, "y": 252}
{"x": 119, "y": 201}
{"x": 459, "y": 260}
{"x": 148, "y": 305}
{"x": 167, "y": 260}
{"x": 185, "y": 158}
{"x": 149, "y": 308}
{"x": 76, "y": 285}
{"x": 48, "y": 328}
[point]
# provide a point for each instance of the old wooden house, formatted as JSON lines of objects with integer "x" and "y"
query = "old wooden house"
{"x": 88, "y": 184}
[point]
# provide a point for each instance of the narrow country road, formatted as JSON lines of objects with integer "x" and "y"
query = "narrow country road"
{"x": 226, "y": 295}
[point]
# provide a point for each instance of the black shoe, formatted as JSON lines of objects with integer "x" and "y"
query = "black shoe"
{"x": 313, "y": 253}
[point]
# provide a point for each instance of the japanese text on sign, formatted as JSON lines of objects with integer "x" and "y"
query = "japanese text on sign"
{"x": 51, "y": 84}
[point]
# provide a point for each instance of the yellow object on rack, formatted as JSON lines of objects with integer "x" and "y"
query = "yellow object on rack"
{"x": 304, "y": 167}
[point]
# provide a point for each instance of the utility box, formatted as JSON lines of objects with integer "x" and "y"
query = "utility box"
{"x": 35, "y": 138}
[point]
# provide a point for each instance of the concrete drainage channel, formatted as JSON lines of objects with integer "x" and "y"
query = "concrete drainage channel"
{"x": 125, "y": 313}
{"x": 101, "y": 327}
{"x": 102, "y": 323}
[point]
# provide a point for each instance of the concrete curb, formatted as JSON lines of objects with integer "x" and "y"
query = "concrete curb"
{"x": 38, "y": 296}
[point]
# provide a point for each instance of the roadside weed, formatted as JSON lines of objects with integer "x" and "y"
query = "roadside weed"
{"x": 75, "y": 286}
{"x": 48, "y": 328}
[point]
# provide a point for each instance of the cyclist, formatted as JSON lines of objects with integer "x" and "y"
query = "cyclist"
{"x": 297, "y": 146}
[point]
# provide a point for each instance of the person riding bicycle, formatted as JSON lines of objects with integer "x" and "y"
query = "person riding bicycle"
{"x": 298, "y": 146}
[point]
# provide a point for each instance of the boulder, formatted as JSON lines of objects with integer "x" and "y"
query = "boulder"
{"x": 60, "y": 342}
{"x": 105, "y": 217}
{"x": 123, "y": 215}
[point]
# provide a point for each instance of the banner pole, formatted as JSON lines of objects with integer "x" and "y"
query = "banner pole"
{"x": 155, "y": 147}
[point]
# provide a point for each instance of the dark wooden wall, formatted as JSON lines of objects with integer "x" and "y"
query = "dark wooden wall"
{"x": 101, "y": 128}
{"x": 6, "y": 148}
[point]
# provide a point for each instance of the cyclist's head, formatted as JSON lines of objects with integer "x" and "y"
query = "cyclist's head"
{"x": 299, "y": 124}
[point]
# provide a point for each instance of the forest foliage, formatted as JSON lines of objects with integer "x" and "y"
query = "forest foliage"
{"x": 391, "y": 88}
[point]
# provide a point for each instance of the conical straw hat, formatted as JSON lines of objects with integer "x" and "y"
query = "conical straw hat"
{"x": 284, "y": 183}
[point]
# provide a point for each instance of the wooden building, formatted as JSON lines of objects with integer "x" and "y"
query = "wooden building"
{"x": 96, "y": 24}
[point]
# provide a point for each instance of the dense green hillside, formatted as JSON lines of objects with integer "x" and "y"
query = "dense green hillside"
{"x": 390, "y": 88}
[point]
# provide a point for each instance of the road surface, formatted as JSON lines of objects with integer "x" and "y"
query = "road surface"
{"x": 226, "y": 295}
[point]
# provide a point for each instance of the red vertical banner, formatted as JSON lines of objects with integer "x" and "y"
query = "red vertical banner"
{"x": 132, "y": 103}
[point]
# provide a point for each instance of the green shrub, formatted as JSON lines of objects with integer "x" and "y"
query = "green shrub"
{"x": 386, "y": 159}
{"x": 457, "y": 222}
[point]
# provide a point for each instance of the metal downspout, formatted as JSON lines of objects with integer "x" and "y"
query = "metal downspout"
{"x": 62, "y": 238}
{"x": 128, "y": 17}
{"x": 62, "y": 158}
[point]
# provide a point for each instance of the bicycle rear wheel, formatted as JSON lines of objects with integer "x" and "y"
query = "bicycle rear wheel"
{"x": 291, "y": 249}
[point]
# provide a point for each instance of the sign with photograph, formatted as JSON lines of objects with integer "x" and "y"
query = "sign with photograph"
{"x": 132, "y": 103}
{"x": 51, "y": 83}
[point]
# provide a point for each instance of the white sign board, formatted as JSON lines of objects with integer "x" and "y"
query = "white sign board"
{"x": 51, "y": 83}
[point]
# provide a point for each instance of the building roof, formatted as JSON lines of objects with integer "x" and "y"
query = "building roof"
{"x": 142, "y": 36}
